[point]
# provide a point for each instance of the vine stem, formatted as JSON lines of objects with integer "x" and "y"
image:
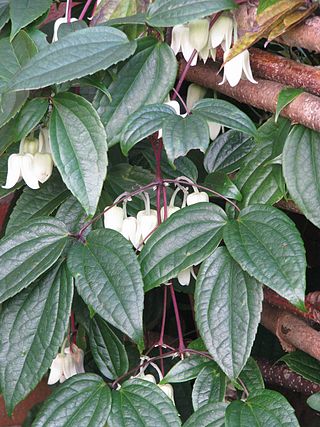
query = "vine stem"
{"x": 84, "y": 10}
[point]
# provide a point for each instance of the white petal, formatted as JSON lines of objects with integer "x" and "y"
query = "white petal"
{"x": 42, "y": 165}
{"x": 194, "y": 94}
{"x": 27, "y": 171}
{"x": 113, "y": 218}
{"x": 14, "y": 170}
{"x": 184, "y": 277}
{"x": 177, "y": 32}
{"x": 174, "y": 105}
{"x": 56, "y": 369}
{"x": 214, "y": 130}
{"x": 194, "y": 198}
{"x": 233, "y": 69}
{"x": 247, "y": 67}
{"x": 198, "y": 33}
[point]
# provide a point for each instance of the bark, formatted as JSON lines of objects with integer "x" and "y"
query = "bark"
{"x": 293, "y": 333}
{"x": 304, "y": 110}
{"x": 305, "y": 35}
{"x": 273, "y": 67}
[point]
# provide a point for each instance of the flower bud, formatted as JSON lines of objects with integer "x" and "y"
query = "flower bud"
{"x": 42, "y": 166}
{"x": 199, "y": 33}
{"x": 113, "y": 218}
{"x": 194, "y": 94}
{"x": 198, "y": 197}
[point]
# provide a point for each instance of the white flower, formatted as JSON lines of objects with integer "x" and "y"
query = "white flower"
{"x": 237, "y": 68}
{"x": 113, "y": 218}
{"x": 180, "y": 42}
{"x": 66, "y": 364}
{"x": 221, "y": 32}
{"x": 197, "y": 197}
{"x": 199, "y": 33}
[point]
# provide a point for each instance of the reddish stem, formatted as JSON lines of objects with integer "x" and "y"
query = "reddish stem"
{"x": 178, "y": 320}
{"x": 84, "y": 10}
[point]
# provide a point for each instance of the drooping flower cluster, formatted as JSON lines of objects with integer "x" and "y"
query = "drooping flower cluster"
{"x": 66, "y": 364}
{"x": 33, "y": 163}
{"x": 198, "y": 36}
{"x": 138, "y": 229}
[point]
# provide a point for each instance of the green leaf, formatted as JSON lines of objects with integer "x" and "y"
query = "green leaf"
{"x": 225, "y": 113}
{"x": 107, "y": 350}
{"x": 185, "y": 239}
{"x": 34, "y": 203}
{"x": 83, "y": 400}
{"x": 132, "y": 89}
{"x": 23, "y": 12}
{"x": 107, "y": 277}
{"x": 188, "y": 369}
{"x": 144, "y": 122}
{"x": 266, "y": 244}
{"x": 209, "y": 387}
{"x": 228, "y": 303}
{"x": 10, "y": 105}
{"x": 221, "y": 183}
{"x": 268, "y": 408}
{"x": 210, "y": 415}
{"x": 33, "y": 324}
{"x": 227, "y": 153}
{"x": 314, "y": 401}
{"x": 182, "y": 134}
{"x": 142, "y": 403}
{"x": 304, "y": 365}
{"x": 256, "y": 180}
{"x": 167, "y": 13}
{"x": 4, "y": 13}
{"x": 301, "y": 169}
{"x": 286, "y": 95}
{"x": 252, "y": 377}
{"x": 76, "y": 55}
{"x": 79, "y": 148}
{"x": 29, "y": 252}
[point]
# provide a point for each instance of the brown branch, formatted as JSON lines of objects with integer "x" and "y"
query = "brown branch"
{"x": 305, "y": 35}
{"x": 281, "y": 375}
{"x": 293, "y": 333}
{"x": 304, "y": 110}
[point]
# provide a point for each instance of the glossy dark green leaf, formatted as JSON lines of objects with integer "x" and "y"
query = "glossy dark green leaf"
{"x": 314, "y": 401}
{"x": 167, "y": 13}
{"x": 209, "y": 387}
{"x": 268, "y": 408}
{"x": 221, "y": 183}
{"x": 251, "y": 376}
{"x": 68, "y": 58}
{"x": 286, "y": 95}
{"x": 132, "y": 89}
{"x": 209, "y": 415}
{"x": 34, "y": 203}
{"x": 79, "y": 148}
{"x": 184, "y": 239}
{"x": 187, "y": 369}
{"x": 33, "y": 325}
{"x": 225, "y": 113}
{"x": 4, "y": 12}
{"x": 23, "y": 12}
{"x": 182, "y": 134}
{"x": 227, "y": 153}
{"x": 140, "y": 403}
{"x": 301, "y": 169}
{"x": 107, "y": 277}
{"x": 228, "y": 303}
{"x": 266, "y": 244}
{"x": 83, "y": 400}
{"x": 304, "y": 365}
{"x": 143, "y": 123}
{"x": 107, "y": 350}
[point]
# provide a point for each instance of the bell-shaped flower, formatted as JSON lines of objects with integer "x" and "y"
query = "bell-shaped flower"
{"x": 180, "y": 42}
{"x": 168, "y": 390}
{"x": 221, "y": 32}
{"x": 237, "y": 68}
{"x": 197, "y": 197}
{"x": 113, "y": 218}
{"x": 199, "y": 33}
{"x": 66, "y": 364}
